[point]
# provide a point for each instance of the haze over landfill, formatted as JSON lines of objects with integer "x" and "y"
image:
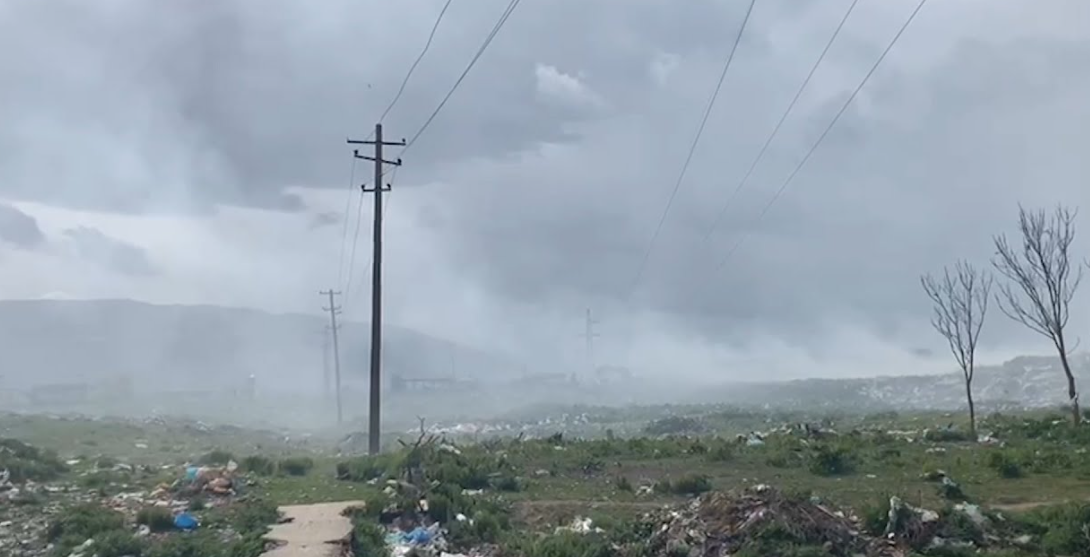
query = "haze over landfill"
{"x": 193, "y": 154}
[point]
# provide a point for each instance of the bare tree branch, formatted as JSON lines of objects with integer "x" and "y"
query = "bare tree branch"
{"x": 1042, "y": 280}
{"x": 960, "y": 300}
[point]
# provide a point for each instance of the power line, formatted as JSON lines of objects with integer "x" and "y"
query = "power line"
{"x": 344, "y": 229}
{"x": 821, "y": 138}
{"x": 351, "y": 185}
{"x": 424, "y": 51}
{"x": 355, "y": 240}
{"x": 488, "y": 40}
{"x": 776, "y": 129}
{"x": 692, "y": 150}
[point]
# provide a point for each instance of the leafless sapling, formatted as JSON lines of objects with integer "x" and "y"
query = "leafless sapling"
{"x": 960, "y": 299}
{"x": 1042, "y": 280}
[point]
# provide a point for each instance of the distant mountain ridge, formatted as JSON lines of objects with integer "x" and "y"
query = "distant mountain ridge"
{"x": 1025, "y": 382}
{"x": 191, "y": 347}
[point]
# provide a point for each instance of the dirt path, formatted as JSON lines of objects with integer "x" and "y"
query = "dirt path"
{"x": 1029, "y": 506}
{"x": 318, "y": 530}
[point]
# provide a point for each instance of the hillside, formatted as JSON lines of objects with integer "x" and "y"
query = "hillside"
{"x": 1025, "y": 382}
{"x": 204, "y": 347}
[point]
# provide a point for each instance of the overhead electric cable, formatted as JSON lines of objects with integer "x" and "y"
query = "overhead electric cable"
{"x": 821, "y": 138}
{"x": 692, "y": 149}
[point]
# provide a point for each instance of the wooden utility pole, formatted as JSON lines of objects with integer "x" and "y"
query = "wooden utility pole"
{"x": 374, "y": 412}
{"x": 589, "y": 335}
{"x": 333, "y": 311}
{"x": 327, "y": 369}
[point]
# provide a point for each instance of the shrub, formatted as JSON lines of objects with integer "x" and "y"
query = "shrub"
{"x": 105, "y": 462}
{"x": 73, "y": 525}
{"x": 1004, "y": 465}
{"x": 622, "y": 484}
{"x": 561, "y": 544}
{"x": 118, "y": 543}
{"x": 296, "y": 466}
{"x": 1062, "y": 529}
{"x": 721, "y": 451}
{"x": 259, "y": 465}
{"x": 158, "y": 519}
{"x": 825, "y": 460}
{"x": 947, "y": 435}
{"x": 507, "y": 482}
{"x": 364, "y": 468}
{"x": 874, "y": 517}
{"x": 254, "y": 516}
{"x": 204, "y": 544}
{"x": 25, "y": 462}
{"x": 368, "y": 538}
{"x": 216, "y": 457}
{"x": 692, "y": 484}
{"x": 485, "y": 528}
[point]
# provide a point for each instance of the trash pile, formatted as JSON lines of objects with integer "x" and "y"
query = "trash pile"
{"x": 725, "y": 523}
{"x": 215, "y": 480}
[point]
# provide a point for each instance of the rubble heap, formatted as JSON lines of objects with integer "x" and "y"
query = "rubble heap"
{"x": 724, "y": 523}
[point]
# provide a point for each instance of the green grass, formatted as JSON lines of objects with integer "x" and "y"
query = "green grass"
{"x": 541, "y": 483}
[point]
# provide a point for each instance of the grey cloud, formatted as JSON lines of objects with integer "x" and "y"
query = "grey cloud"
{"x": 232, "y": 102}
{"x": 922, "y": 170}
{"x": 19, "y": 228}
{"x": 321, "y": 220}
{"x": 114, "y": 254}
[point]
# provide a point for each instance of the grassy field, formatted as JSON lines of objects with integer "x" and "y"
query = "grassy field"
{"x": 516, "y": 490}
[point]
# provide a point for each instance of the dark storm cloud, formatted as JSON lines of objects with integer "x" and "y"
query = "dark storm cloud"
{"x": 116, "y": 255}
{"x": 19, "y": 229}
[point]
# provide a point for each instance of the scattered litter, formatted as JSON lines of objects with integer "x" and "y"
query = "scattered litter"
{"x": 580, "y": 526}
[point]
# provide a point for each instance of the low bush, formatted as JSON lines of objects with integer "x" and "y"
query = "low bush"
{"x": 25, "y": 462}
{"x": 216, "y": 457}
{"x": 74, "y": 525}
{"x": 827, "y": 460}
{"x": 1005, "y": 465}
{"x": 258, "y": 465}
{"x": 158, "y": 519}
{"x": 118, "y": 543}
{"x": 296, "y": 466}
{"x": 692, "y": 484}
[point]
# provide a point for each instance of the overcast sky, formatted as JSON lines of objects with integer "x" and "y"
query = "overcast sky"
{"x": 190, "y": 152}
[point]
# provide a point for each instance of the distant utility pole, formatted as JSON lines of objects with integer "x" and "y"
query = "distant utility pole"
{"x": 377, "y": 188}
{"x": 327, "y": 363}
{"x": 333, "y": 311}
{"x": 327, "y": 370}
{"x": 589, "y": 335}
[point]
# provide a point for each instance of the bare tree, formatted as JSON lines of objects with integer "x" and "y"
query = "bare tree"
{"x": 960, "y": 302}
{"x": 1042, "y": 281}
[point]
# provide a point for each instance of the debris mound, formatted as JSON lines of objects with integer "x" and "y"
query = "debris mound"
{"x": 725, "y": 523}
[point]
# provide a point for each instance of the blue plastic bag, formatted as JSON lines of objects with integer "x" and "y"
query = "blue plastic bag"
{"x": 185, "y": 521}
